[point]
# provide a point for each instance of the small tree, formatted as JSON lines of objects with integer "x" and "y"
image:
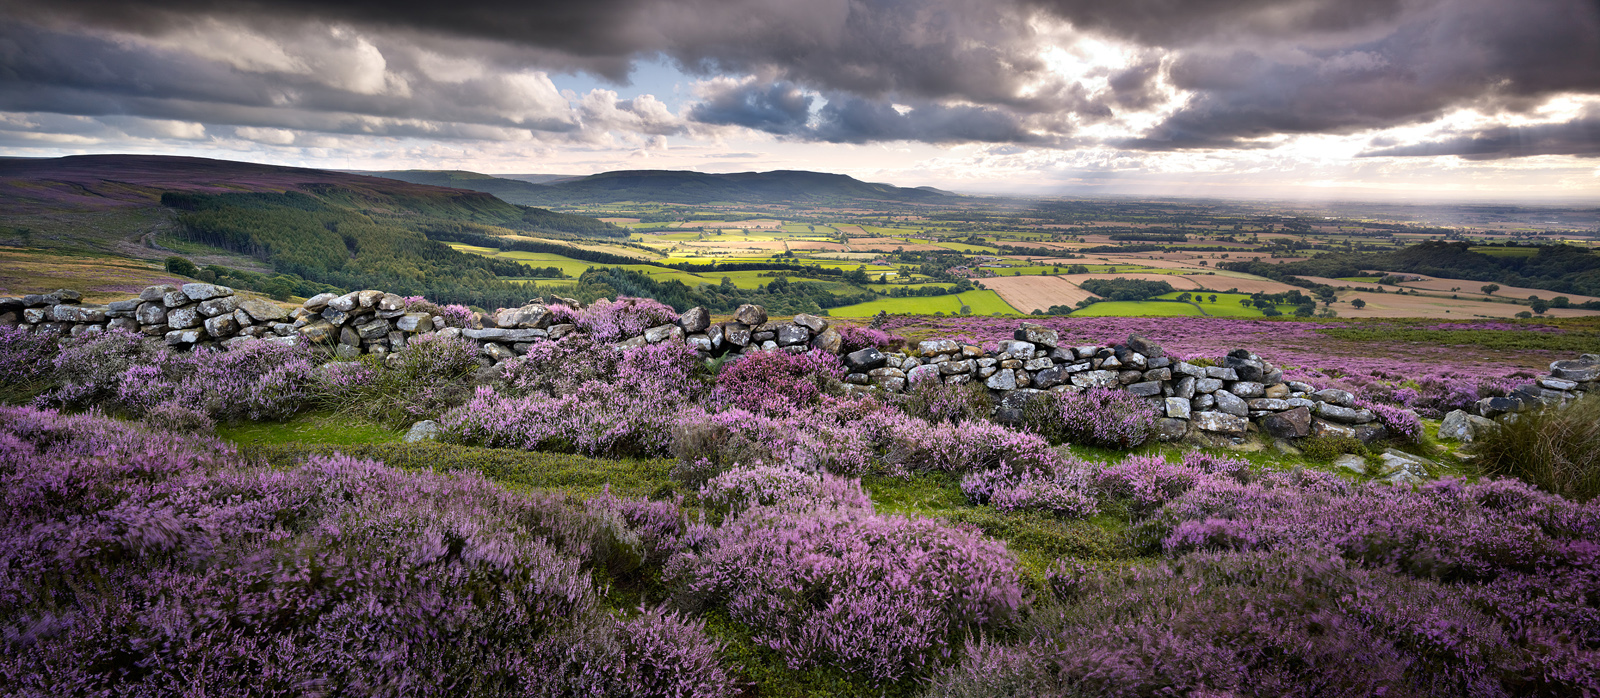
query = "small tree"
{"x": 1539, "y": 306}
{"x": 1489, "y": 289}
{"x": 181, "y": 267}
{"x": 1358, "y": 303}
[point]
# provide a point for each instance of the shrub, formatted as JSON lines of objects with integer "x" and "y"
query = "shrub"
{"x": 776, "y": 381}
{"x": 855, "y": 338}
{"x": 610, "y": 321}
{"x": 430, "y": 376}
{"x": 1063, "y": 491}
{"x": 1323, "y": 449}
{"x": 138, "y": 563}
{"x": 1403, "y": 424}
{"x": 1097, "y": 417}
{"x": 1556, "y": 449}
{"x": 90, "y": 370}
{"x": 1282, "y": 624}
{"x": 931, "y": 399}
{"x": 745, "y": 487}
{"x": 171, "y": 416}
{"x": 27, "y": 360}
{"x": 559, "y": 367}
{"x": 886, "y": 596}
{"x": 453, "y": 315}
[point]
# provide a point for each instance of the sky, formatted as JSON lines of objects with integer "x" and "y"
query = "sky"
{"x": 1483, "y": 100}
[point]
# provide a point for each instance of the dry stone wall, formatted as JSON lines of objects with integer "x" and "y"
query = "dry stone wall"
{"x": 1244, "y": 394}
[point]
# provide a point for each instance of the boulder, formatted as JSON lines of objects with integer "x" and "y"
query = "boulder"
{"x": 1145, "y": 389}
{"x": 1220, "y": 423}
{"x": 525, "y": 317}
{"x": 1016, "y": 348}
{"x": 1277, "y": 391}
{"x": 319, "y": 301}
{"x": 1184, "y": 388}
{"x": 1144, "y": 346}
{"x": 865, "y": 360}
{"x": 180, "y": 337}
{"x": 1495, "y": 406}
{"x": 151, "y": 314}
{"x": 1460, "y": 426}
{"x": 319, "y": 331}
{"x": 1094, "y": 379}
{"x": 1247, "y": 389}
{"x": 934, "y": 347}
{"x": 662, "y": 333}
{"x": 203, "y": 292}
{"x": 497, "y": 334}
{"x": 751, "y": 315}
{"x": 1351, "y": 463}
{"x": 263, "y": 311}
{"x": 694, "y": 320}
{"x": 221, "y": 305}
{"x": 154, "y": 294}
{"x": 1208, "y": 385}
{"x": 222, "y": 326}
{"x": 1231, "y": 404}
{"x": 1169, "y": 429}
{"x": 1290, "y": 424}
{"x": 1176, "y": 408}
{"x": 1343, "y": 415}
{"x": 1335, "y": 396}
{"x": 792, "y": 334}
{"x": 1268, "y": 404}
{"x": 62, "y": 295}
{"x": 345, "y": 303}
{"x": 425, "y": 430}
{"x": 174, "y": 299}
{"x": 184, "y": 318}
{"x": 1037, "y": 334}
{"x": 1004, "y": 379}
{"x": 1246, "y": 369}
{"x": 922, "y": 373}
{"x": 374, "y": 329}
{"x": 1581, "y": 370}
{"x": 811, "y": 322}
{"x": 555, "y": 331}
{"x": 736, "y": 333}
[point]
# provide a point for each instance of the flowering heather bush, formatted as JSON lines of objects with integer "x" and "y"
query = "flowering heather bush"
{"x": 559, "y": 367}
{"x": 1528, "y": 556}
{"x": 849, "y": 437}
{"x": 1097, "y": 417}
{"x": 615, "y": 321}
{"x": 89, "y": 370}
{"x": 856, "y": 338}
{"x": 26, "y": 358}
{"x": 658, "y": 529}
{"x": 632, "y": 414}
{"x": 1279, "y": 624}
{"x": 1064, "y": 491}
{"x": 183, "y": 419}
{"x": 931, "y": 399}
{"x": 773, "y": 382}
{"x": 138, "y": 563}
{"x": 887, "y": 596}
{"x": 253, "y": 380}
{"x": 1403, "y": 424}
{"x": 744, "y": 487}
{"x": 454, "y": 315}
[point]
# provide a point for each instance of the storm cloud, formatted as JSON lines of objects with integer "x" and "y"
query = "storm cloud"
{"x": 1139, "y": 74}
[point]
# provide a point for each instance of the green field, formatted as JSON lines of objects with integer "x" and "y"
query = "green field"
{"x": 1367, "y": 279}
{"x": 1138, "y": 309}
{"x": 981, "y": 302}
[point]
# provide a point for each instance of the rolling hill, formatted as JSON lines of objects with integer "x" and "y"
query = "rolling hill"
{"x": 674, "y": 186}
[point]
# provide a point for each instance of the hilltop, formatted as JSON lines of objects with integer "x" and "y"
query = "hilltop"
{"x": 679, "y": 187}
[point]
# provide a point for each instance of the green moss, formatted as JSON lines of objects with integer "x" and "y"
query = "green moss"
{"x": 311, "y": 428}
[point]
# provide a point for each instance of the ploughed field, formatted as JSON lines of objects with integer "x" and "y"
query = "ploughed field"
{"x": 606, "y": 516}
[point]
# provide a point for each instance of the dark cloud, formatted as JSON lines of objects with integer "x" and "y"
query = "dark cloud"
{"x": 1580, "y": 137}
{"x": 971, "y": 71}
{"x": 779, "y": 108}
{"x": 1464, "y": 53}
{"x": 785, "y": 110}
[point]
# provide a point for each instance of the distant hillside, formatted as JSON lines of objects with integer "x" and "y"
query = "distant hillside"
{"x": 311, "y": 228}
{"x": 672, "y": 186}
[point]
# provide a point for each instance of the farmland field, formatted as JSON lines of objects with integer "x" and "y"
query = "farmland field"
{"x": 981, "y": 303}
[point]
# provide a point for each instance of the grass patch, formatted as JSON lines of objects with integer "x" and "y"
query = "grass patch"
{"x": 1554, "y": 449}
{"x": 981, "y": 303}
{"x": 566, "y": 473}
{"x": 311, "y": 428}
